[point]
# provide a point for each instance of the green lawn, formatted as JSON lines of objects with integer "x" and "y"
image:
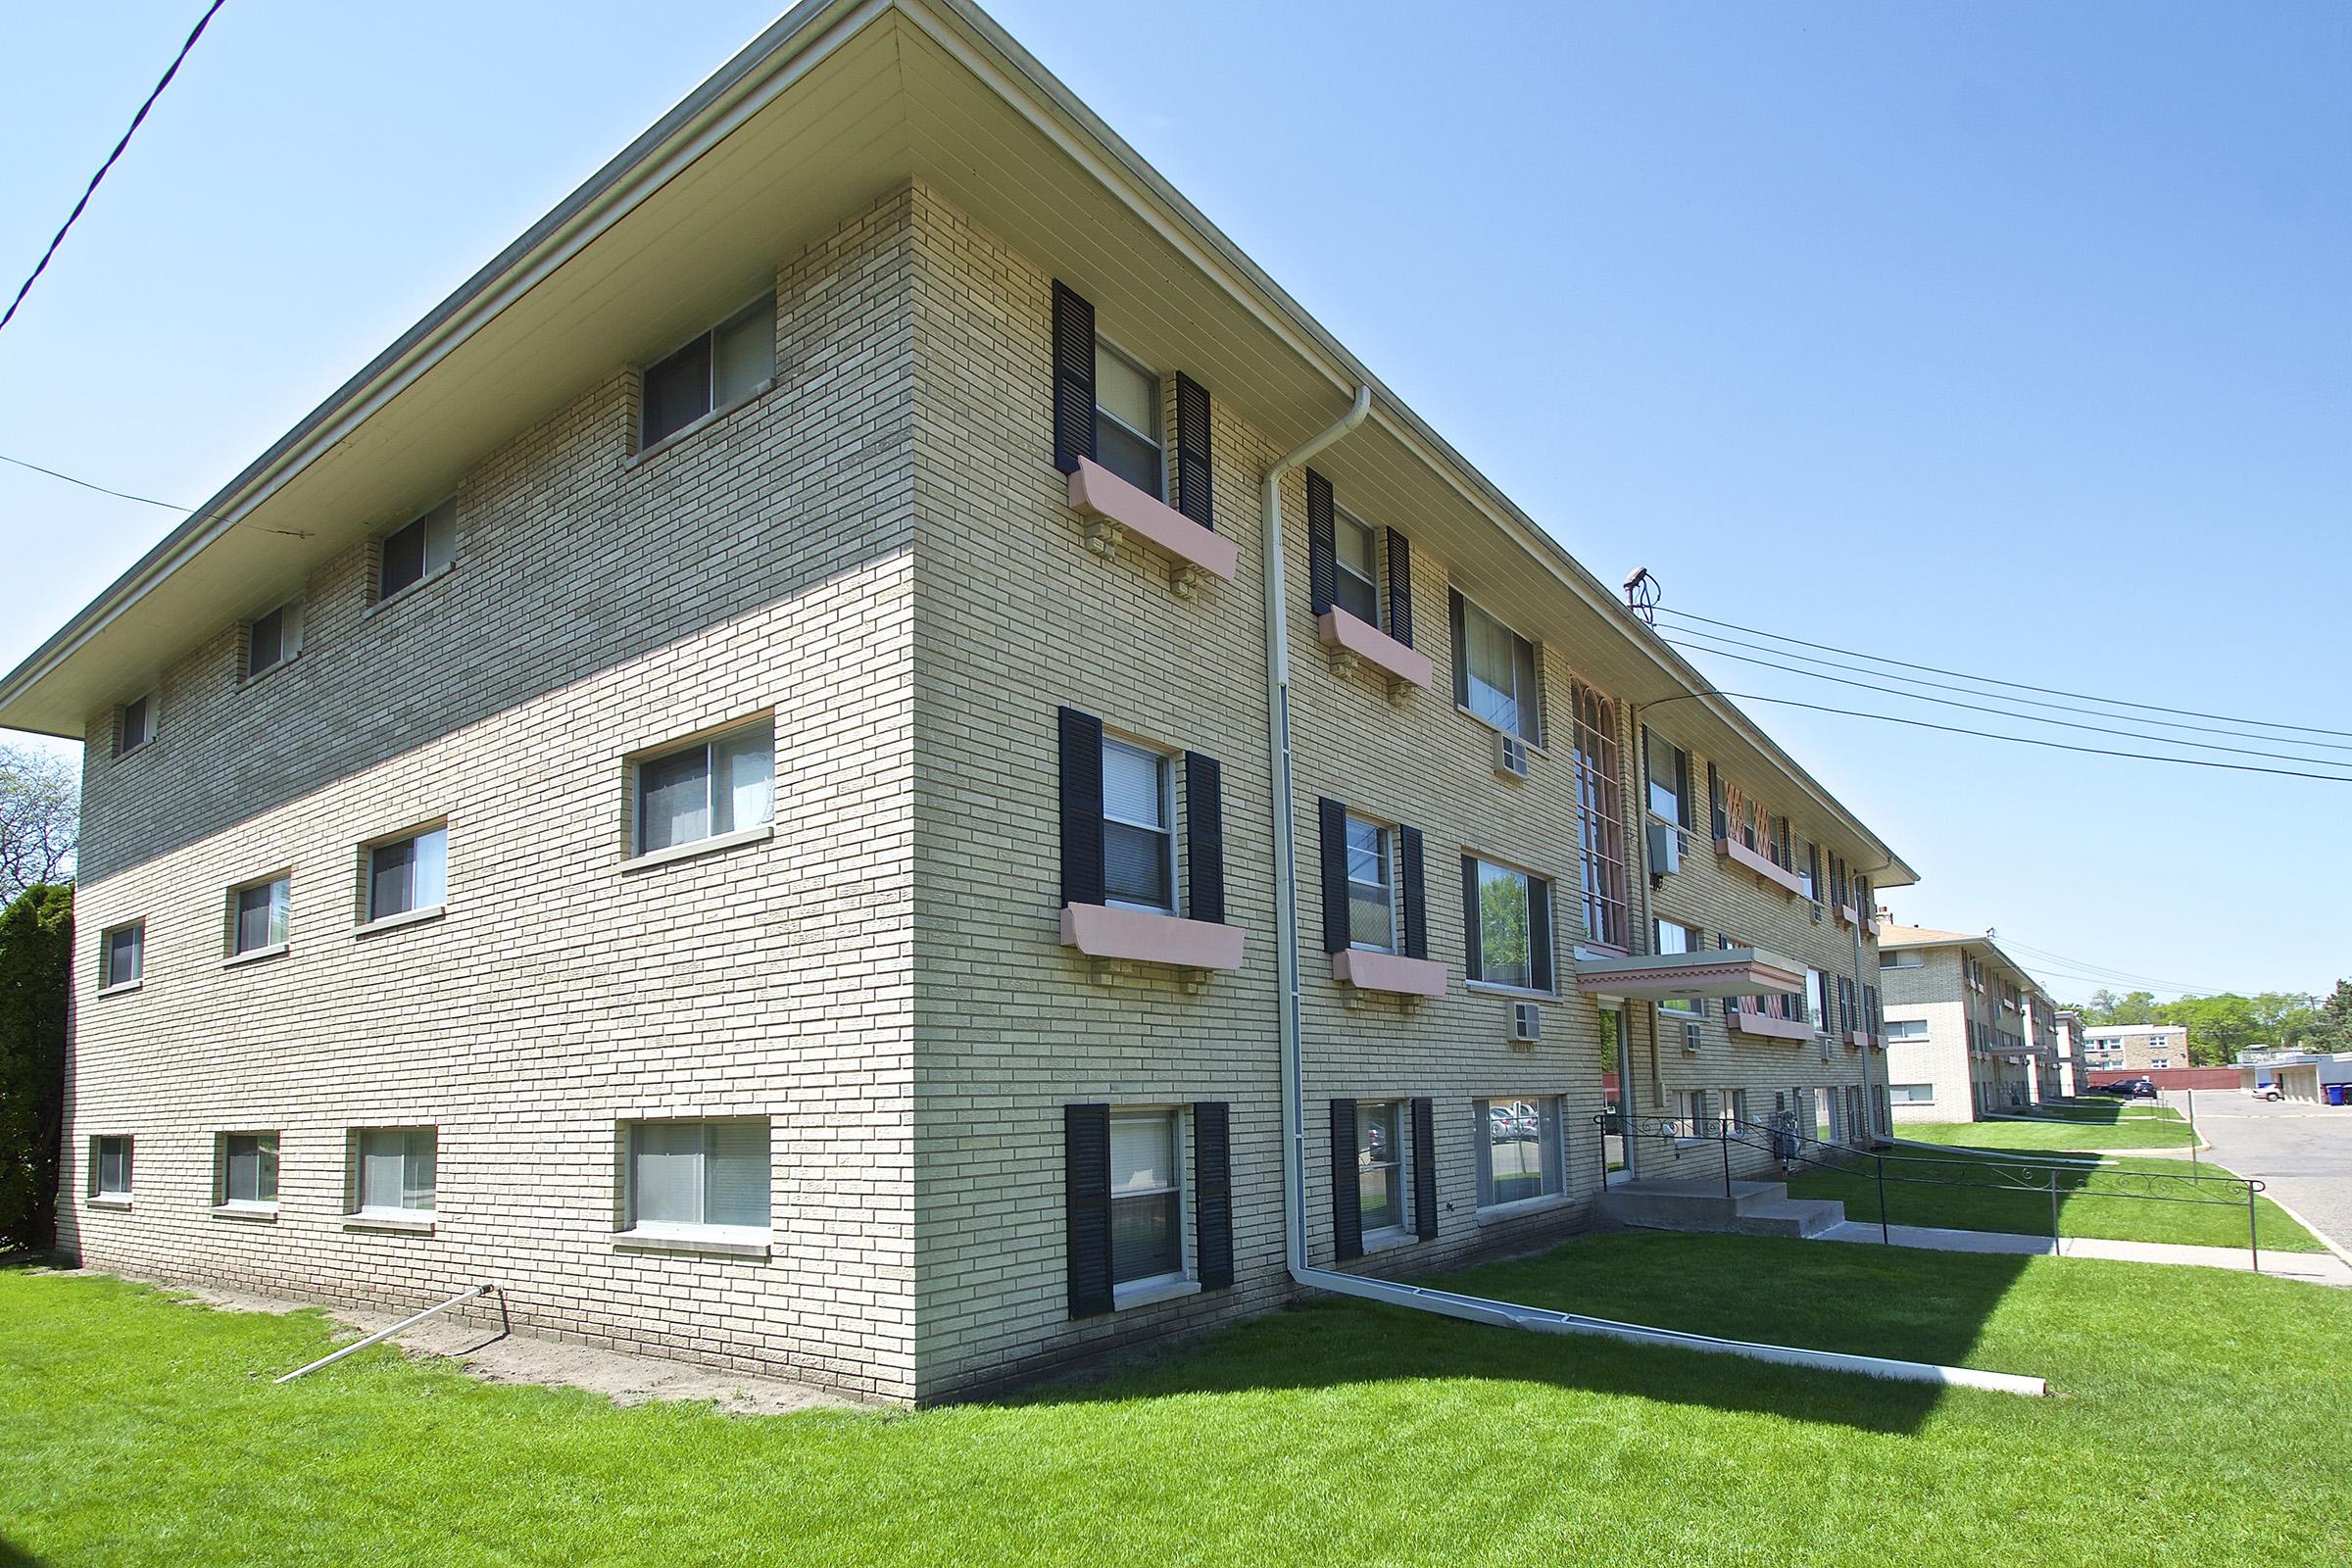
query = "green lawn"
{"x": 137, "y": 1430}
{"x": 2086, "y": 1211}
{"x": 2076, "y": 1132}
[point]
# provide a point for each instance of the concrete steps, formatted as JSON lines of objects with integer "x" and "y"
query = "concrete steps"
{"x": 1753, "y": 1208}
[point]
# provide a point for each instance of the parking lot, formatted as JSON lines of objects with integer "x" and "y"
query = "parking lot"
{"x": 2302, "y": 1152}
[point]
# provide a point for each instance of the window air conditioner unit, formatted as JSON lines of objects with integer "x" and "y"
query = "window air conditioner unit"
{"x": 1826, "y": 1052}
{"x": 1692, "y": 1039}
{"x": 1665, "y": 848}
{"x": 1818, "y": 911}
{"x": 1527, "y": 1022}
{"x": 1511, "y": 756}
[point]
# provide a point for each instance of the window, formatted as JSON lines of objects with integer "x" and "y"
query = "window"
{"x": 1912, "y": 1094}
{"x": 1371, "y": 891}
{"x": 272, "y": 639}
{"x": 1600, "y": 812}
{"x": 408, "y": 874}
{"x": 720, "y": 367}
{"x": 1668, "y": 769}
{"x": 1519, "y": 1153}
{"x": 1731, "y": 1109}
{"x": 725, "y": 784}
{"x": 1510, "y": 926}
{"x": 137, "y": 725}
{"x": 258, "y": 916}
{"x": 1127, "y": 420}
{"x": 249, "y": 1168}
{"x": 698, "y": 1173}
{"x": 1355, "y": 586}
{"x": 121, "y": 955}
{"x": 1817, "y": 998}
{"x": 1808, "y": 870}
{"x": 1674, "y": 937}
{"x": 1494, "y": 673}
{"x": 418, "y": 551}
{"x": 1138, "y": 834}
{"x": 392, "y": 1170}
{"x": 109, "y": 1167}
{"x": 1907, "y": 1029}
{"x": 1147, "y": 1197}
{"x": 1688, "y": 1107}
{"x": 1901, "y": 959}
{"x": 1380, "y": 1169}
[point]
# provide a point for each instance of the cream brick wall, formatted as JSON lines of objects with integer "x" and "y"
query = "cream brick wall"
{"x": 1935, "y": 993}
{"x": 598, "y": 607}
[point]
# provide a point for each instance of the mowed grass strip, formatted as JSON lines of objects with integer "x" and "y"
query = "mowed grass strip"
{"x": 141, "y": 1430}
{"x": 1969, "y": 1189}
{"x": 2055, "y": 1134}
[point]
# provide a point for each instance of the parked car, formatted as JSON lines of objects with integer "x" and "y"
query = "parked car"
{"x": 2267, "y": 1092}
{"x": 2131, "y": 1088}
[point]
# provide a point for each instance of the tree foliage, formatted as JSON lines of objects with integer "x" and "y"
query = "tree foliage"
{"x": 36, "y": 947}
{"x": 38, "y": 820}
{"x": 2221, "y": 1026}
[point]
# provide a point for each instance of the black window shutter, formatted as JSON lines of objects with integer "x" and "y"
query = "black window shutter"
{"x": 1401, "y": 588}
{"x": 1731, "y": 1004}
{"x": 1073, "y": 378}
{"x": 1322, "y": 550}
{"x": 1191, "y": 452}
{"x": 1347, "y": 1197}
{"x": 1425, "y": 1170}
{"x": 1683, "y": 806}
{"x": 1081, "y": 808}
{"x": 1203, "y": 836}
{"x": 1813, "y": 865}
{"x": 1461, "y": 650}
{"x": 1086, "y": 1199}
{"x": 1212, "y": 1192}
{"x": 1539, "y": 932}
{"x": 1719, "y": 821}
{"x": 1332, "y": 821}
{"x": 1474, "y": 966}
{"x": 1416, "y": 907}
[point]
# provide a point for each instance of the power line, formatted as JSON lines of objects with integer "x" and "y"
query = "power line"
{"x": 1991, "y": 680}
{"x": 2029, "y": 740}
{"x": 86, "y": 484}
{"x": 1972, "y": 691}
{"x": 2100, "y": 969}
{"x": 2003, "y": 713}
{"x": 91, "y": 189}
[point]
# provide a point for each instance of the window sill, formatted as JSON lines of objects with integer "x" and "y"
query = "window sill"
{"x": 1524, "y": 1206}
{"x": 133, "y": 750}
{"x": 112, "y": 1202}
{"x": 249, "y": 681}
{"x": 401, "y": 596}
{"x": 1525, "y": 994}
{"x": 415, "y": 1222}
{"x": 249, "y": 1213}
{"x": 1144, "y": 1292}
{"x": 393, "y": 922}
{"x": 1536, "y": 748}
{"x": 1764, "y": 865}
{"x": 1113, "y": 508}
{"x": 1764, "y": 1026}
{"x": 709, "y": 1240}
{"x": 123, "y": 989}
{"x": 257, "y": 955}
{"x": 1389, "y": 1240}
{"x": 709, "y": 846}
{"x": 698, "y": 424}
{"x": 1104, "y": 931}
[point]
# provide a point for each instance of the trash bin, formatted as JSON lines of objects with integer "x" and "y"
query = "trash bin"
{"x": 2335, "y": 1093}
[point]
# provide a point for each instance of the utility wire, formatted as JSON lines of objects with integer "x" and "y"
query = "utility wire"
{"x": 2113, "y": 973}
{"x": 2029, "y": 702}
{"x": 2030, "y": 740}
{"x": 1990, "y": 680}
{"x": 147, "y": 500}
{"x": 2029, "y": 718}
{"x": 91, "y": 189}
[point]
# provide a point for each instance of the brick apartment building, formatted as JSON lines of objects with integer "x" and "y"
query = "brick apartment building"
{"x": 2112, "y": 1047}
{"x": 740, "y": 782}
{"x": 1969, "y": 1031}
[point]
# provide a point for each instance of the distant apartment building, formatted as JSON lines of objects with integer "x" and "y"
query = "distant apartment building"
{"x": 2110, "y": 1048}
{"x": 871, "y": 758}
{"x": 1969, "y": 1032}
{"x": 2072, "y": 1066}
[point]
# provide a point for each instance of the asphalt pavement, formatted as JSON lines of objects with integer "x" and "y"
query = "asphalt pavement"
{"x": 2302, "y": 1154}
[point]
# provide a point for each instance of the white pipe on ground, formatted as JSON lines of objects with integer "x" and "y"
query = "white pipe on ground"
{"x": 465, "y": 1295}
{"x": 1448, "y": 1303}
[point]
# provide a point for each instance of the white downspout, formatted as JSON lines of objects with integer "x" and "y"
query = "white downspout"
{"x": 1448, "y": 1303}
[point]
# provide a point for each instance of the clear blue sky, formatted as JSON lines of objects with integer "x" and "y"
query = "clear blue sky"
{"x": 2014, "y": 338}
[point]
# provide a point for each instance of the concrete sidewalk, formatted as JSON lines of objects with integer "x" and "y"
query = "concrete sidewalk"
{"x": 2316, "y": 1268}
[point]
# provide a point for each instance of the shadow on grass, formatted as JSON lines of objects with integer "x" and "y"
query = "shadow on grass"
{"x": 1909, "y": 1305}
{"x": 13, "y": 1555}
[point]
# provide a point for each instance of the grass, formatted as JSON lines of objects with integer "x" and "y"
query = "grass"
{"x": 2097, "y": 1208}
{"x": 2075, "y": 1131}
{"x": 141, "y": 1430}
